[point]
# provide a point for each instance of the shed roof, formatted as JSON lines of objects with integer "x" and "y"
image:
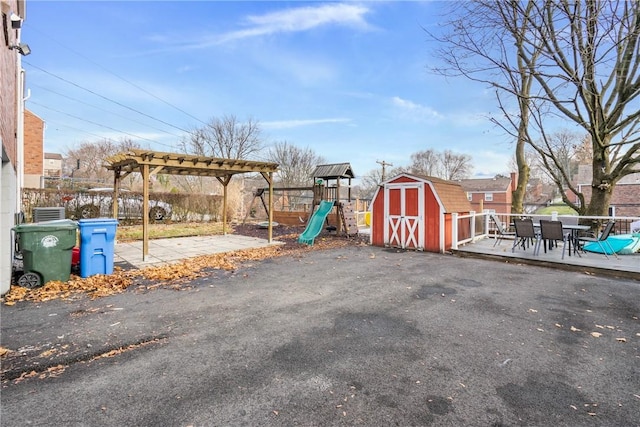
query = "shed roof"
{"x": 53, "y": 156}
{"x": 486, "y": 184}
{"x": 334, "y": 171}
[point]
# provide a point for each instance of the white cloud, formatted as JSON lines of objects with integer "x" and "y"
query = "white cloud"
{"x": 185, "y": 69}
{"x": 288, "y": 124}
{"x": 286, "y": 21}
{"x": 302, "y": 19}
{"x": 415, "y": 111}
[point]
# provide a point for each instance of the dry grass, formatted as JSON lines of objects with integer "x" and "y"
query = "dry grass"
{"x": 128, "y": 233}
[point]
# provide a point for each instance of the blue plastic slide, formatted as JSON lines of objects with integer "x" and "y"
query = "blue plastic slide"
{"x": 314, "y": 226}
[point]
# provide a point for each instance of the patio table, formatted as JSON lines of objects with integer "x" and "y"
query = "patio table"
{"x": 575, "y": 229}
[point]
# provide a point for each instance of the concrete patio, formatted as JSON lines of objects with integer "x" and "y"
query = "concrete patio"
{"x": 168, "y": 251}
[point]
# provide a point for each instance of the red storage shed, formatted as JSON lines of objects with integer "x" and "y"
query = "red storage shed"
{"x": 414, "y": 212}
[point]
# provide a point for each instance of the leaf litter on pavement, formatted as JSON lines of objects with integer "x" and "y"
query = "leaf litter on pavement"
{"x": 172, "y": 275}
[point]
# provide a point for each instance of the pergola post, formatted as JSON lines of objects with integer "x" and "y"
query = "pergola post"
{"x": 270, "y": 231}
{"x": 116, "y": 189}
{"x": 224, "y": 183}
{"x": 145, "y": 211}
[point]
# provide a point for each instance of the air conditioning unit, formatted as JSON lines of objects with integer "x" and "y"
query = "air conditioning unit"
{"x": 47, "y": 214}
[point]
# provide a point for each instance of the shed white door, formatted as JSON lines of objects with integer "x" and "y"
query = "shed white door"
{"x": 404, "y": 214}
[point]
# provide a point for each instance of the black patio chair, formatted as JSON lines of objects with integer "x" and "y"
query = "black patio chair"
{"x": 525, "y": 234}
{"x": 501, "y": 229}
{"x": 601, "y": 240}
{"x": 551, "y": 231}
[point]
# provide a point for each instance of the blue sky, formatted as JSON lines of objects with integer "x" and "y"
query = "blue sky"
{"x": 348, "y": 80}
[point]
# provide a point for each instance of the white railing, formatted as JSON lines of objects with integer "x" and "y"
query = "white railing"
{"x": 471, "y": 227}
{"x": 468, "y": 228}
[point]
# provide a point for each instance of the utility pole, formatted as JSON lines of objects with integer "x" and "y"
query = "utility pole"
{"x": 384, "y": 164}
{"x": 73, "y": 171}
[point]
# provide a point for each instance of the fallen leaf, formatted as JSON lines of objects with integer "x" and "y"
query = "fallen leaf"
{"x": 47, "y": 353}
{"x": 596, "y": 334}
{"x": 574, "y": 329}
{"x": 621, "y": 339}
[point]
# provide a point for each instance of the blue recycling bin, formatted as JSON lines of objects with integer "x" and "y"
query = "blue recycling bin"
{"x": 97, "y": 238}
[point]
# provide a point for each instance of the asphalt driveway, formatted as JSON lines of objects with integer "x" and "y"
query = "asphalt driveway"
{"x": 352, "y": 336}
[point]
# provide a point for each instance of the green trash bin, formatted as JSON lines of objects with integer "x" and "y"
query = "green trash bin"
{"x": 46, "y": 249}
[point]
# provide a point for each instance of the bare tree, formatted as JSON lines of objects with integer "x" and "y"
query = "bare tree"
{"x": 584, "y": 151}
{"x": 446, "y": 165}
{"x": 90, "y": 156}
{"x": 588, "y": 72}
{"x": 477, "y": 45}
{"x": 225, "y": 137}
{"x": 426, "y": 162}
{"x": 296, "y": 164}
{"x": 456, "y": 166}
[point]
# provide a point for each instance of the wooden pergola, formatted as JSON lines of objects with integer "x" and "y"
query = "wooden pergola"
{"x": 149, "y": 163}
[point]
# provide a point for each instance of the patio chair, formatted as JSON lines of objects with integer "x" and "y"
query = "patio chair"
{"x": 551, "y": 231}
{"x": 525, "y": 233}
{"x": 601, "y": 240}
{"x": 502, "y": 230}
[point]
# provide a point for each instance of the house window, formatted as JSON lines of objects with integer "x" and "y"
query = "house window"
{"x": 469, "y": 197}
{"x": 488, "y": 197}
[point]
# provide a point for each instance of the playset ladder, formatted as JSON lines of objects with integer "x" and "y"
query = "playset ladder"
{"x": 348, "y": 218}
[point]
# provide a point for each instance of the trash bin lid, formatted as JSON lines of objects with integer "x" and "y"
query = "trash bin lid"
{"x": 93, "y": 221}
{"x": 58, "y": 224}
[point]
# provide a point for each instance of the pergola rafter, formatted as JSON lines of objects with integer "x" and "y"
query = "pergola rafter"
{"x": 149, "y": 163}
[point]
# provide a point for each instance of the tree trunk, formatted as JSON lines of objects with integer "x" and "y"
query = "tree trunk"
{"x": 601, "y": 183}
{"x": 517, "y": 201}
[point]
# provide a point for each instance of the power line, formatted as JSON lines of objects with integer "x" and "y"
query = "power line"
{"x": 98, "y": 124}
{"x": 102, "y": 109}
{"x": 118, "y": 76}
{"x": 104, "y": 97}
{"x": 72, "y": 127}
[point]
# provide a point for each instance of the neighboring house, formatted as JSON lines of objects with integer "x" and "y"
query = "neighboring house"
{"x": 33, "y": 151}
{"x": 52, "y": 165}
{"x": 538, "y": 195}
{"x": 625, "y": 200}
{"x": 490, "y": 194}
{"x": 11, "y": 128}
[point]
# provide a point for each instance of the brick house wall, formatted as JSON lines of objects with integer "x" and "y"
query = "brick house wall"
{"x": 494, "y": 194}
{"x": 9, "y": 89}
{"x": 33, "y": 150}
{"x": 9, "y": 85}
{"x": 626, "y": 194}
